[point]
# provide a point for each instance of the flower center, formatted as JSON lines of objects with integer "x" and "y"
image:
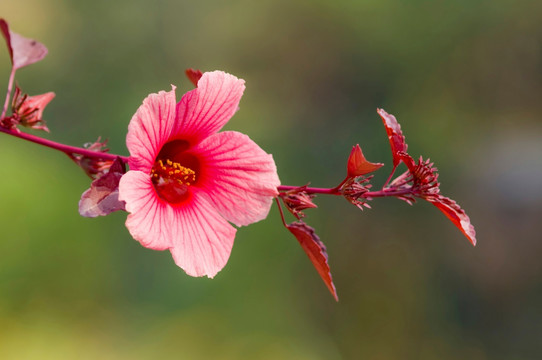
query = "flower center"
{"x": 174, "y": 171}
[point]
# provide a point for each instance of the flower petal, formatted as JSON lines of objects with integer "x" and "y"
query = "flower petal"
{"x": 150, "y": 128}
{"x": 457, "y": 215}
{"x": 206, "y": 109}
{"x": 150, "y": 219}
{"x": 202, "y": 239}
{"x": 238, "y": 176}
{"x": 199, "y": 239}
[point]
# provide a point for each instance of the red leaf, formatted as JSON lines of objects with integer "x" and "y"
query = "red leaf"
{"x": 193, "y": 75}
{"x": 395, "y": 135}
{"x": 408, "y": 160}
{"x": 4, "y": 27}
{"x": 357, "y": 164}
{"x": 457, "y": 215}
{"x": 103, "y": 196}
{"x": 22, "y": 51}
{"x": 315, "y": 250}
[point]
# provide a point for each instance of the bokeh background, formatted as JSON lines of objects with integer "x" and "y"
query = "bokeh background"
{"x": 464, "y": 78}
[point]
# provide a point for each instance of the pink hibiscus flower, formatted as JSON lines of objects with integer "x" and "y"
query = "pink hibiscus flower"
{"x": 187, "y": 181}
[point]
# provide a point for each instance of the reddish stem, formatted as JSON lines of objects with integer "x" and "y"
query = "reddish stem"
{"x": 10, "y": 87}
{"x": 281, "y": 212}
{"x": 310, "y": 190}
{"x": 335, "y": 191}
{"x": 389, "y": 177}
{"x": 387, "y": 192}
{"x": 61, "y": 147}
{"x": 336, "y": 188}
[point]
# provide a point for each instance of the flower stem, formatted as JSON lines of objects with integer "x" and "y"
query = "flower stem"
{"x": 336, "y": 188}
{"x": 281, "y": 212}
{"x": 389, "y": 177}
{"x": 388, "y": 192}
{"x": 69, "y": 150}
{"x": 335, "y": 191}
{"x": 10, "y": 87}
{"x": 310, "y": 190}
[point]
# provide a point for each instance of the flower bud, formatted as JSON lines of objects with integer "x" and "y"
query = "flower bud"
{"x": 28, "y": 110}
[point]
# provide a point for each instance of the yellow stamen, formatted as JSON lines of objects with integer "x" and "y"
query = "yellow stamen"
{"x": 173, "y": 171}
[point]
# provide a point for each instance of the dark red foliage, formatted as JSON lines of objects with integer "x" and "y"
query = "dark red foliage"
{"x": 395, "y": 135}
{"x": 421, "y": 179}
{"x": 457, "y": 215}
{"x": 315, "y": 250}
{"x": 358, "y": 165}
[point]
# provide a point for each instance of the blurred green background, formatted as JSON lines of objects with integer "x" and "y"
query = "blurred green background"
{"x": 464, "y": 78}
